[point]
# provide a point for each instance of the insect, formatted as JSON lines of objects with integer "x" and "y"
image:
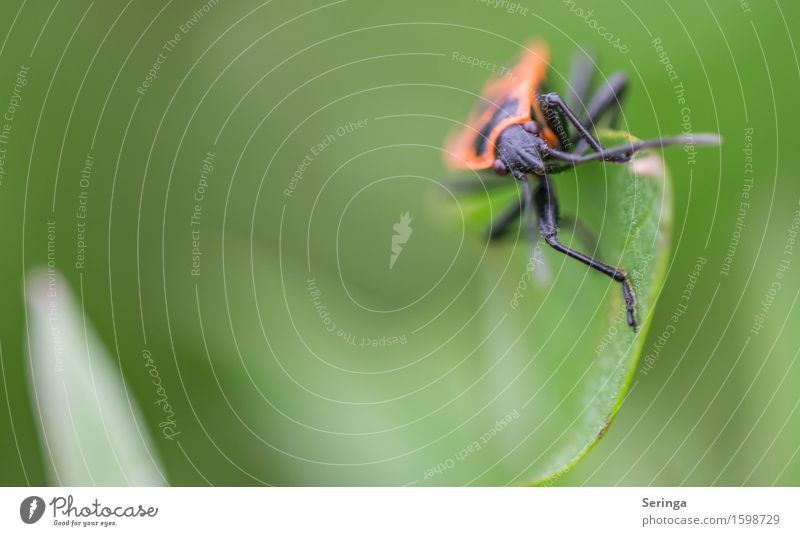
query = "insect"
{"x": 520, "y": 128}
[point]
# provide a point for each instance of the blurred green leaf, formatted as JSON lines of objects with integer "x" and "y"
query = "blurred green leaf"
{"x": 91, "y": 426}
{"x": 262, "y": 393}
{"x": 498, "y": 378}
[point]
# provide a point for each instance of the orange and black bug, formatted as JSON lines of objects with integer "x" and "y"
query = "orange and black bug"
{"x": 519, "y": 128}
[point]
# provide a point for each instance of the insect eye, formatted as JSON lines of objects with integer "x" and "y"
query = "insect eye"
{"x": 499, "y": 167}
{"x": 531, "y": 126}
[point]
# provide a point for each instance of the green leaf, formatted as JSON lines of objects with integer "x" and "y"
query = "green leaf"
{"x": 91, "y": 426}
{"x": 578, "y": 340}
{"x": 432, "y": 372}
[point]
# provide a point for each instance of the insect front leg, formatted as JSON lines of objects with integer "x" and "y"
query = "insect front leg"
{"x": 553, "y": 101}
{"x": 547, "y": 216}
{"x": 624, "y": 152}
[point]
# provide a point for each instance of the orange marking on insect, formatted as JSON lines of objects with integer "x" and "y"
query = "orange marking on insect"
{"x": 507, "y": 99}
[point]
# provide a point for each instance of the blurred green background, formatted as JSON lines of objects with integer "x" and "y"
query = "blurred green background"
{"x": 354, "y": 98}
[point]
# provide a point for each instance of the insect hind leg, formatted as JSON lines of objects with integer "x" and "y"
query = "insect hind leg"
{"x": 580, "y": 78}
{"x": 500, "y": 227}
{"x": 606, "y": 102}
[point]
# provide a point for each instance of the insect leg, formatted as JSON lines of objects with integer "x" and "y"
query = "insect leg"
{"x": 607, "y": 100}
{"x": 527, "y": 208}
{"x": 580, "y": 78}
{"x": 547, "y": 216}
{"x": 554, "y": 100}
{"x": 500, "y": 227}
{"x": 623, "y": 153}
{"x": 580, "y": 230}
{"x": 475, "y": 185}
